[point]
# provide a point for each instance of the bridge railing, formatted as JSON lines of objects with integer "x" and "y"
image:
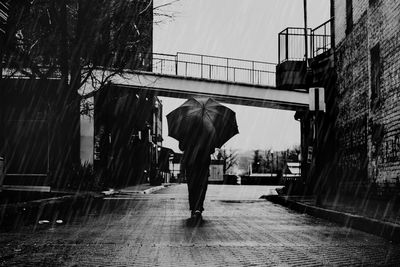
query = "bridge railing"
{"x": 215, "y": 68}
{"x": 291, "y": 42}
{"x": 321, "y": 38}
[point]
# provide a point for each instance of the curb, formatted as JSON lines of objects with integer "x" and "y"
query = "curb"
{"x": 386, "y": 230}
{"x": 145, "y": 191}
{"x": 154, "y": 189}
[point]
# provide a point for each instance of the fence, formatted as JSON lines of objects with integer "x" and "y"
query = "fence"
{"x": 291, "y": 42}
{"x": 321, "y": 38}
{"x": 215, "y": 68}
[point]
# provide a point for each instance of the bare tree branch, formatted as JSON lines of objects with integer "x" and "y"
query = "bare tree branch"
{"x": 162, "y": 14}
{"x": 166, "y": 4}
{"x": 146, "y": 8}
{"x": 229, "y": 158}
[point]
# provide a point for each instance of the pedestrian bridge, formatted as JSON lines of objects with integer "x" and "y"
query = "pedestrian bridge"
{"x": 228, "y": 80}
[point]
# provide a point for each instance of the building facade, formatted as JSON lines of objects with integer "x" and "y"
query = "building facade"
{"x": 354, "y": 146}
{"x": 36, "y": 144}
{"x": 44, "y": 66}
{"x": 367, "y": 61}
{"x": 126, "y": 135}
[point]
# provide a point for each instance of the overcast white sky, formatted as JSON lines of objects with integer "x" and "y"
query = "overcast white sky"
{"x": 245, "y": 29}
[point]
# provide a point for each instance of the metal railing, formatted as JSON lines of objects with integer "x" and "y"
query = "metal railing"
{"x": 291, "y": 42}
{"x": 321, "y": 38}
{"x": 215, "y": 68}
{"x": 203, "y": 67}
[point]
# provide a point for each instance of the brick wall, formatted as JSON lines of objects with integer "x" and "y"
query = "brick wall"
{"x": 368, "y": 123}
{"x": 384, "y": 29}
{"x": 359, "y": 8}
{"x": 352, "y": 94}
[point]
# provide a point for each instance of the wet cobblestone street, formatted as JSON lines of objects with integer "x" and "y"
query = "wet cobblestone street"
{"x": 239, "y": 229}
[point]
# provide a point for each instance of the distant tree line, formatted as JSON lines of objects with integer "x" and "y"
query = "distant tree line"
{"x": 269, "y": 161}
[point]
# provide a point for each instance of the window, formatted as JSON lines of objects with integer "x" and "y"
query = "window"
{"x": 349, "y": 16}
{"x": 376, "y": 74}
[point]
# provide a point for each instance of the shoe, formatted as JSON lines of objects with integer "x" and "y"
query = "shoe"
{"x": 195, "y": 219}
{"x": 197, "y": 215}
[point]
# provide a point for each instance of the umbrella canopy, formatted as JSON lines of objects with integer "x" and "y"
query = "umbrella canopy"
{"x": 202, "y": 120}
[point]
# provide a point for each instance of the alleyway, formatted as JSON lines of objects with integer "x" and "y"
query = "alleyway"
{"x": 133, "y": 229}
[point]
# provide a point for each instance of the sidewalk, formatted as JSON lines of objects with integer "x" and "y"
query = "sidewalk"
{"x": 17, "y": 212}
{"x": 374, "y": 216}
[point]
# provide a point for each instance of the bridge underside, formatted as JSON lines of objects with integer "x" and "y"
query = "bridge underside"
{"x": 223, "y": 91}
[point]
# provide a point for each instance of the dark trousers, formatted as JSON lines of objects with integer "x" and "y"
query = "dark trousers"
{"x": 197, "y": 181}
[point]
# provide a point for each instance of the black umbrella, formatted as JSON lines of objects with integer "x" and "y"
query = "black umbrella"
{"x": 202, "y": 120}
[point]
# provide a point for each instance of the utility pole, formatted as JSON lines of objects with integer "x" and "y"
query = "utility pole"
{"x": 312, "y": 118}
{"x": 305, "y": 32}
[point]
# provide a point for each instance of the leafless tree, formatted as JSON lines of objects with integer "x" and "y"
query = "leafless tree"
{"x": 76, "y": 41}
{"x": 73, "y": 39}
{"x": 228, "y": 157}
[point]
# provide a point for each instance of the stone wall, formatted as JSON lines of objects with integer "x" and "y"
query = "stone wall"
{"x": 368, "y": 90}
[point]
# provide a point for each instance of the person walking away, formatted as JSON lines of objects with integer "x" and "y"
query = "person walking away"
{"x": 196, "y": 162}
{"x": 200, "y": 125}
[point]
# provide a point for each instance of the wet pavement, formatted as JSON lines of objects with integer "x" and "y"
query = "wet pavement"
{"x": 239, "y": 229}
